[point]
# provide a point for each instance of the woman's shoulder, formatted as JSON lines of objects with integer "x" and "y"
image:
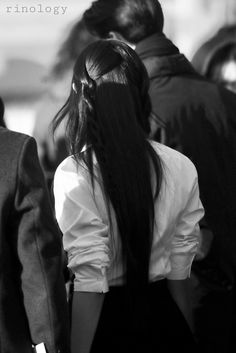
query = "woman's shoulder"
{"x": 68, "y": 165}
{"x": 69, "y": 169}
{"x": 176, "y": 162}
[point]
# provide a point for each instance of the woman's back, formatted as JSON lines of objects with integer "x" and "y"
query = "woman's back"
{"x": 128, "y": 209}
{"x": 177, "y": 213}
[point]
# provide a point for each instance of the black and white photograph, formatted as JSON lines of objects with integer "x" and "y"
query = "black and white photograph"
{"x": 117, "y": 176}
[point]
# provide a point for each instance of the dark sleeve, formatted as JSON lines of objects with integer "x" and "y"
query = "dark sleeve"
{"x": 39, "y": 250}
{"x": 2, "y": 108}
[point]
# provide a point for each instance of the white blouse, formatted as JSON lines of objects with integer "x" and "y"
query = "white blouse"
{"x": 93, "y": 246}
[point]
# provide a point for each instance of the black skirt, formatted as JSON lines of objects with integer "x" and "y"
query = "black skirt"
{"x": 142, "y": 323}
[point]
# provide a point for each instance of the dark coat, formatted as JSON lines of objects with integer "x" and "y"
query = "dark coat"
{"x": 33, "y": 307}
{"x": 198, "y": 118}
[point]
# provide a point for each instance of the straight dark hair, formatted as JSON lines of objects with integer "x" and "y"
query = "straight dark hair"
{"x": 133, "y": 19}
{"x": 108, "y": 111}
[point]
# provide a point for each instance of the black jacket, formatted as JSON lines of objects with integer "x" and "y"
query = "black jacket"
{"x": 198, "y": 118}
{"x": 33, "y": 307}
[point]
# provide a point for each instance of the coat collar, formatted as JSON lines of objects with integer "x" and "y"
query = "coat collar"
{"x": 168, "y": 66}
{"x": 161, "y": 57}
{"x": 156, "y": 45}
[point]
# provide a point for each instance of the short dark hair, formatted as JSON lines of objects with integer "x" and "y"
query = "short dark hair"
{"x": 133, "y": 19}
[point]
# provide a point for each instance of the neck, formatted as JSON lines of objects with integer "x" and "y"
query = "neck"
{"x": 156, "y": 45}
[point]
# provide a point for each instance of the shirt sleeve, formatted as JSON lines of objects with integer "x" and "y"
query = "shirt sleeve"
{"x": 187, "y": 233}
{"x": 85, "y": 235}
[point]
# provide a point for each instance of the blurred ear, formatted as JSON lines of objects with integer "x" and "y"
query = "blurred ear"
{"x": 118, "y": 36}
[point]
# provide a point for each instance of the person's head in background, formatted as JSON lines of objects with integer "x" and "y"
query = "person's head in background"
{"x": 216, "y": 58}
{"x": 127, "y": 20}
{"x": 222, "y": 67}
{"x": 75, "y": 42}
{"x": 2, "y": 109}
{"x": 107, "y": 115}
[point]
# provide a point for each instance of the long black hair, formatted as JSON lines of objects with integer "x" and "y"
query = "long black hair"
{"x": 108, "y": 111}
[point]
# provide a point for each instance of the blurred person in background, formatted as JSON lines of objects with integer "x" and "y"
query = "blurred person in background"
{"x": 2, "y": 109}
{"x": 197, "y": 117}
{"x": 33, "y": 305}
{"x": 216, "y": 58}
{"x": 129, "y": 210}
{"x": 52, "y": 152}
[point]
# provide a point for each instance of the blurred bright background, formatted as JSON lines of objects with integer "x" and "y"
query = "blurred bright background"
{"x": 29, "y": 42}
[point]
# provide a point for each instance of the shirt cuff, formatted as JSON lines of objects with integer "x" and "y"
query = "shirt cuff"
{"x": 180, "y": 266}
{"x": 94, "y": 285}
